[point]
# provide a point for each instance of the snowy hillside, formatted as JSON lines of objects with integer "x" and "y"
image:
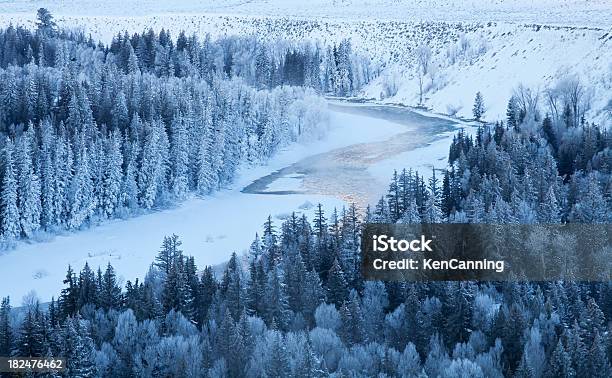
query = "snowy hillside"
{"x": 496, "y": 60}
{"x": 565, "y": 12}
{"x": 475, "y": 45}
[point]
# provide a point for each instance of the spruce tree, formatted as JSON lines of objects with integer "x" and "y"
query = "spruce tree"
{"x": 30, "y": 339}
{"x": 337, "y": 291}
{"x": 68, "y": 300}
{"x": 28, "y": 192}
{"x": 8, "y": 197}
{"x": 6, "y": 332}
{"x": 512, "y": 112}
{"x": 598, "y": 358}
{"x": 560, "y": 363}
{"x": 78, "y": 349}
{"x": 277, "y": 301}
{"x": 478, "y": 109}
{"x": 110, "y": 292}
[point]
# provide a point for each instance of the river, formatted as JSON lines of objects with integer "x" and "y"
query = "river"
{"x": 352, "y": 164}
{"x": 344, "y": 172}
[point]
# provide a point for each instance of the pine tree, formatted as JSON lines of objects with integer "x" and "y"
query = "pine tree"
{"x": 44, "y": 22}
{"x": 512, "y": 116}
{"x": 6, "y": 333}
{"x": 432, "y": 212}
{"x": 577, "y": 350}
{"x": 132, "y": 66}
{"x": 309, "y": 365}
{"x": 47, "y": 174}
{"x": 173, "y": 295}
{"x": 313, "y": 295}
{"x": 179, "y": 158}
{"x": 78, "y": 349}
{"x": 381, "y": 212}
{"x": 598, "y": 360}
{"x": 30, "y": 338}
{"x": 393, "y": 198}
{"x": 63, "y": 160}
{"x": 337, "y": 291}
{"x": 270, "y": 242}
{"x": 231, "y": 287}
{"x": 560, "y": 363}
{"x": 278, "y": 365}
{"x": 88, "y": 287}
{"x": 352, "y": 319}
{"x": 68, "y": 300}
{"x": 255, "y": 288}
{"x": 277, "y": 302}
{"x": 294, "y": 279}
{"x": 28, "y": 192}
{"x": 169, "y": 253}
{"x": 129, "y": 187}
{"x": 549, "y": 210}
{"x": 411, "y": 215}
{"x": 208, "y": 288}
{"x": 113, "y": 176}
{"x": 150, "y": 173}
{"x": 80, "y": 192}
{"x": 479, "y": 108}
{"x": 8, "y": 197}
{"x": 110, "y": 292}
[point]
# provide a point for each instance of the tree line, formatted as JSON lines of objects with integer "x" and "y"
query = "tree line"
{"x": 91, "y": 132}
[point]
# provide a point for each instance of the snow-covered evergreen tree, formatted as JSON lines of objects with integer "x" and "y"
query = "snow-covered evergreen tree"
{"x": 478, "y": 109}
{"x": 8, "y": 196}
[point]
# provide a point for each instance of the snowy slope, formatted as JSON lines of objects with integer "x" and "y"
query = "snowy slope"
{"x": 573, "y": 12}
{"x": 501, "y": 57}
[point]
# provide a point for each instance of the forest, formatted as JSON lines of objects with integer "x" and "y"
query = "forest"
{"x": 93, "y": 132}
{"x": 296, "y": 305}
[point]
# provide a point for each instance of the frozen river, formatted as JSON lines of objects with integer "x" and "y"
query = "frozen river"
{"x": 352, "y": 164}
{"x": 345, "y": 172}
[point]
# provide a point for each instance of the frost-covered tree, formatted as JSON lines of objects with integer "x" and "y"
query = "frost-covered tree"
{"x": 29, "y": 190}
{"x": 8, "y": 196}
{"x": 478, "y": 109}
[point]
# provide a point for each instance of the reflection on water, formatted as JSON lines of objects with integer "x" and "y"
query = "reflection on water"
{"x": 342, "y": 172}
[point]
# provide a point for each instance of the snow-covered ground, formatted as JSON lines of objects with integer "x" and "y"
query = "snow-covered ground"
{"x": 574, "y": 12}
{"x": 496, "y": 59}
{"x": 210, "y": 228}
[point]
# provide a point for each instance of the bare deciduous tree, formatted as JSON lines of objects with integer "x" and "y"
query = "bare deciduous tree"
{"x": 568, "y": 93}
{"x": 527, "y": 101}
{"x": 423, "y": 57}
